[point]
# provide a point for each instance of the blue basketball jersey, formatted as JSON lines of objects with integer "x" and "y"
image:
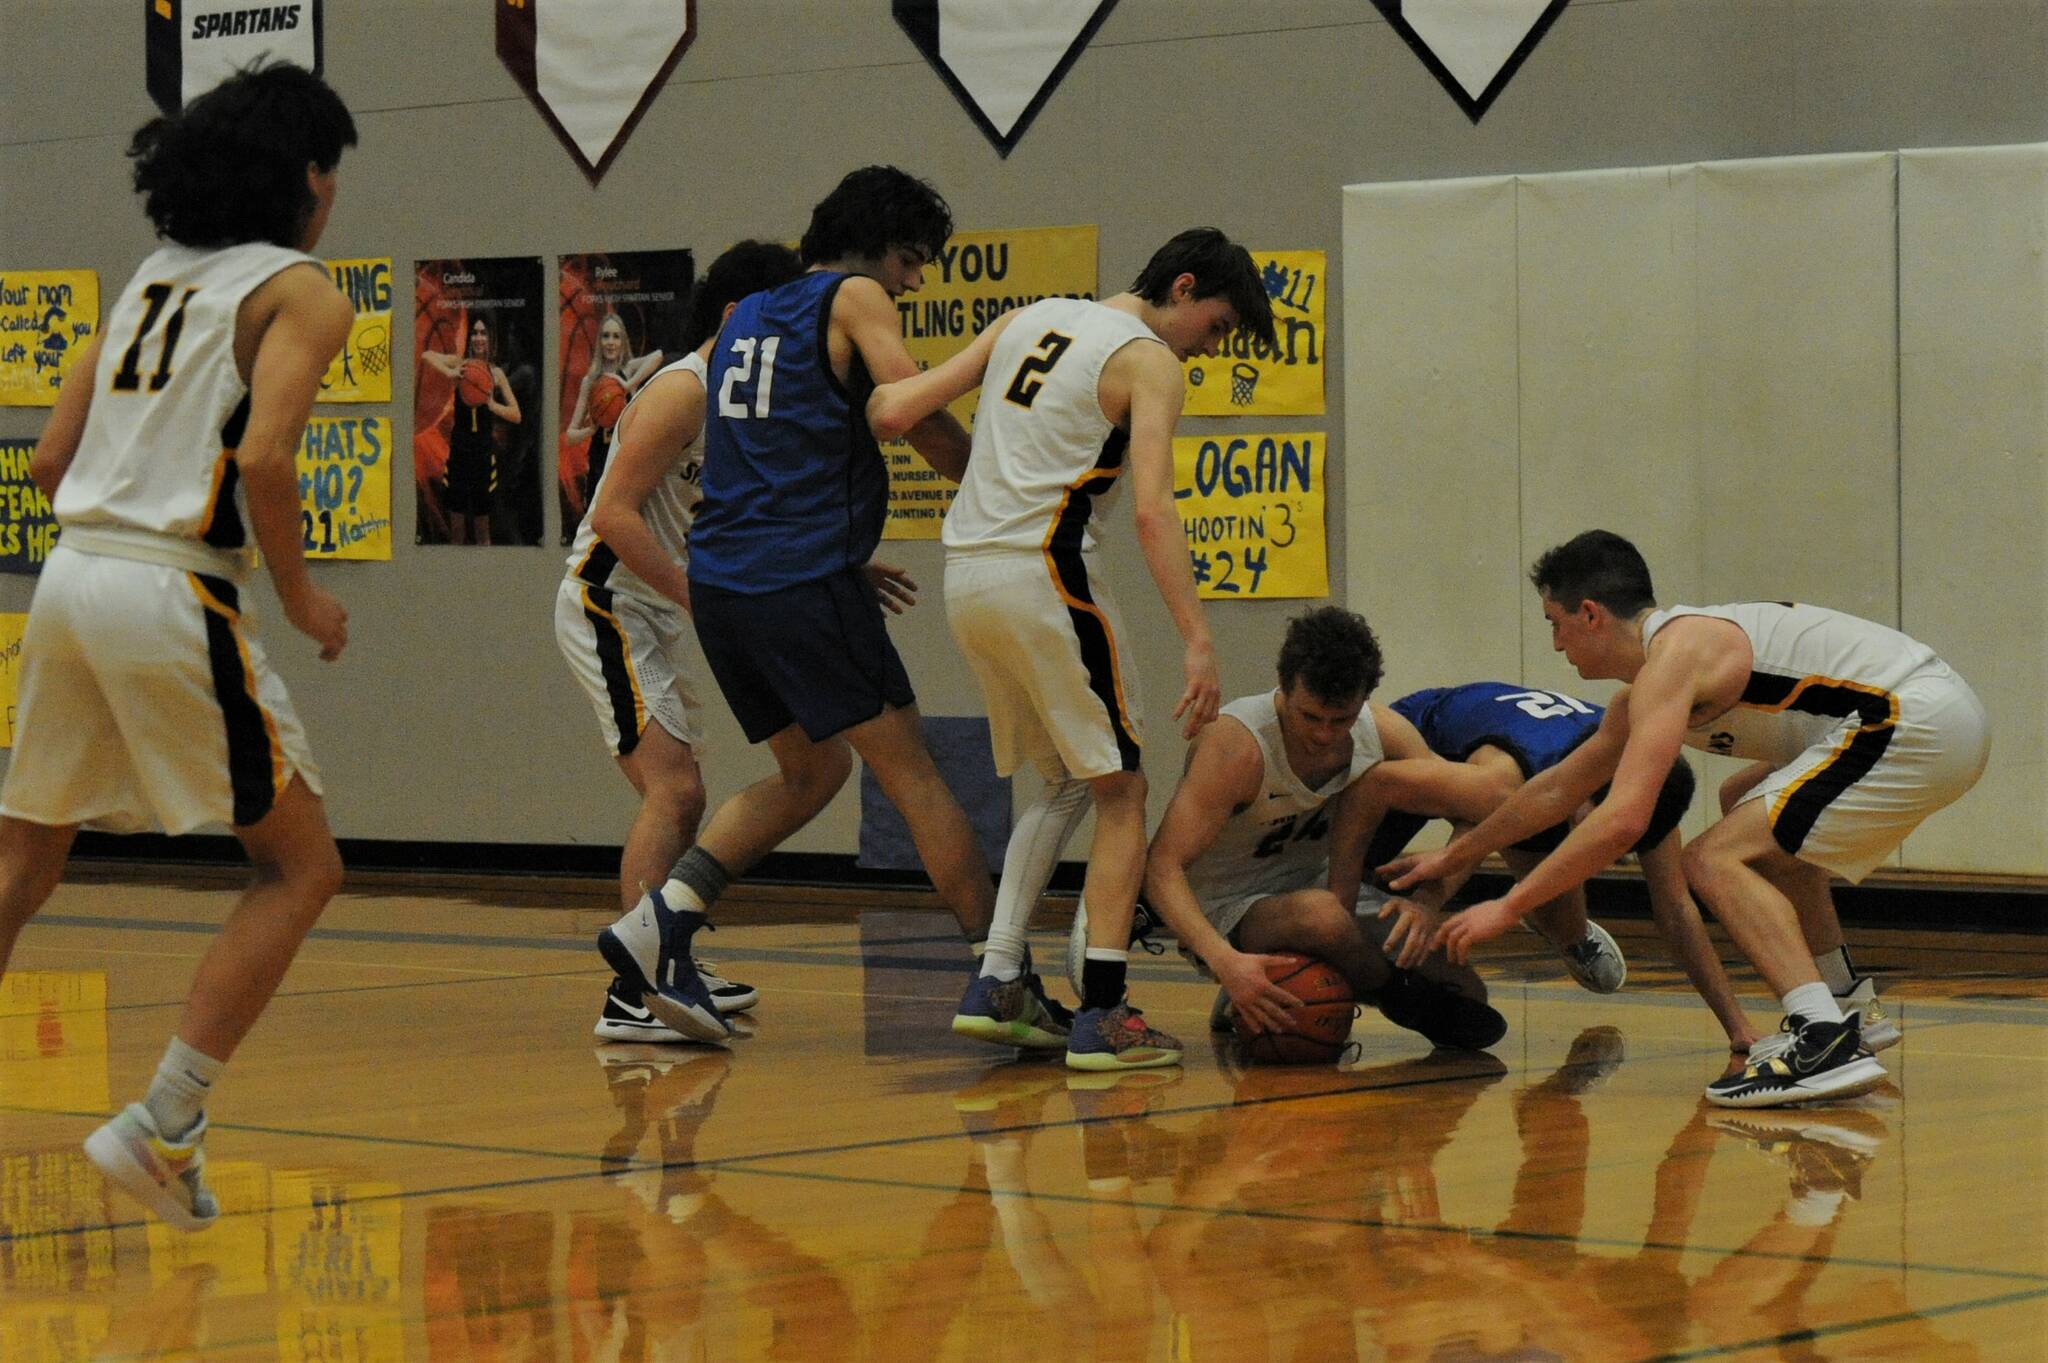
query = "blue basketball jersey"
{"x": 1536, "y": 728}
{"x": 795, "y": 487}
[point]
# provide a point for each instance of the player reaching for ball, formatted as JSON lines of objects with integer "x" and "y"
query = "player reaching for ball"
{"x": 1261, "y": 847}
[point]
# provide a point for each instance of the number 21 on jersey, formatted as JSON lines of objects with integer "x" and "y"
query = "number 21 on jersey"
{"x": 741, "y": 371}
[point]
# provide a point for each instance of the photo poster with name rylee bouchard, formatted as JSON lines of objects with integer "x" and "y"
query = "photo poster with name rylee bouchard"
{"x": 622, "y": 319}
{"x": 477, "y": 400}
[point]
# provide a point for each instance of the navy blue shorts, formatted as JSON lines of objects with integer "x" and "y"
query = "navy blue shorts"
{"x": 815, "y": 655}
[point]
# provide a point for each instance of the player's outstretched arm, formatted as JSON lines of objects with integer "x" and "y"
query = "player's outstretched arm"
{"x": 304, "y": 320}
{"x": 863, "y": 312}
{"x": 1547, "y": 799}
{"x": 663, "y": 422}
{"x": 894, "y": 408}
{"x": 58, "y": 444}
{"x": 1156, "y": 388}
{"x": 1678, "y": 919}
{"x": 1224, "y": 770}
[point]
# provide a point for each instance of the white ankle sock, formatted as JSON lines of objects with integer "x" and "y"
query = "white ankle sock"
{"x": 177, "y": 1095}
{"x": 1814, "y": 1002}
{"x": 1835, "y": 971}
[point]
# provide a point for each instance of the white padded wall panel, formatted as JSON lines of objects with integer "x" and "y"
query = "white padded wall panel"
{"x": 1432, "y": 557}
{"x": 1973, "y": 320}
{"x": 1798, "y": 471}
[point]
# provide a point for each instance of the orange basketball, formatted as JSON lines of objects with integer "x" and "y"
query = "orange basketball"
{"x": 1317, "y": 1030}
{"x": 475, "y": 383}
{"x": 607, "y": 399}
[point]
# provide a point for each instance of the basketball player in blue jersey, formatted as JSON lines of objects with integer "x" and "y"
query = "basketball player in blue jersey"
{"x": 145, "y": 698}
{"x": 1078, "y": 392}
{"x": 1496, "y": 736}
{"x": 783, "y": 589}
{"x": 622, "y": 611}
{"x": 1865, "y": 732}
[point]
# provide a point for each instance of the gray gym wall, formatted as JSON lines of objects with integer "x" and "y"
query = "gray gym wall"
{"x": 452, "y": 717}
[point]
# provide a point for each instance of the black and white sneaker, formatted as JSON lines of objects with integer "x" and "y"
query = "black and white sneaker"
{"x": 649, "y": 948}
{"x": 626, "y": 1017}
{"x": 730, "y": 995}
{"x": 1825, "y": 1060}
{"x": 1440, "y": 1013}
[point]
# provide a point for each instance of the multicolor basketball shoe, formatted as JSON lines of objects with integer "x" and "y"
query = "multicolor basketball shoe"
{"x": 168, "y": 1177}
{"x": 649, "y": 948}
{"x": 1825, "y": 1060}
{"x": 1118, "y": 1039}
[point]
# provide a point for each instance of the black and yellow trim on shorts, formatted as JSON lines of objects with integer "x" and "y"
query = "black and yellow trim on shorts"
{"x": 222, "y": 525}
{"x": 1795, "y": 809}
{"x": 1063, "y": 559}
{"x": 256, "y": 762}
{"x": 615, "y": 661}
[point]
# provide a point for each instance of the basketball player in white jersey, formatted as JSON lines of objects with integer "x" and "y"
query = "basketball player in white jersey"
{"x": 145, "y": 698}
{"x": 622, "y": 613}
{"x": 1262, "y": 847}
{"x": 1077, "y": 392}
{"x": 1868, "y": 732}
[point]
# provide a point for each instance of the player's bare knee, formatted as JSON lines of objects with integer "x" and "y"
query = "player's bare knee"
{"x": 1706, "y": 865}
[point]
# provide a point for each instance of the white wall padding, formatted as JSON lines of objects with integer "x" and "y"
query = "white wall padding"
{"x": 1973, "y": 321}
{"x": 1432, "y": 555}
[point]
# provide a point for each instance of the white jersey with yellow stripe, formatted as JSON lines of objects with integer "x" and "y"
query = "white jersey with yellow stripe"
{"x": 1811, "y": 669}
{"x": 1281, "y": 840}
{"x": 157, "y": 456}
{"x": 1045, "y": 459}
{"x": 669, "y": 509}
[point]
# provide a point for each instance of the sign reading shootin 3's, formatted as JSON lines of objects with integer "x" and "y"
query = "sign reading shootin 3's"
{"x": 193, "y": 45}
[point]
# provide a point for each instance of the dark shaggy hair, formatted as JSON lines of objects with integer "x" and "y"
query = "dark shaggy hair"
{"x": 1333, "y": 653}
{"x": 230, "y": 167}
{"x": 874, "y": 210}
{"x": 746, "y": 267}
{"x": 1219, "y": 266}
{"x": 1673, "y": 799}
{"x": 1598, "y": 565}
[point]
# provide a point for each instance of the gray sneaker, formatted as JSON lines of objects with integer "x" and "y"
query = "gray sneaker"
{"x": 168, "y": 1177}
{"x": 1595, "y": 960}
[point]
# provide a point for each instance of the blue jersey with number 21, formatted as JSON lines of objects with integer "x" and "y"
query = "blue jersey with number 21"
{"x": 1536, "y": 728}
{"x": 795, "y": 488}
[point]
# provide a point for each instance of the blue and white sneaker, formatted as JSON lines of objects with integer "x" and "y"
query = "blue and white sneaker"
{"x": 649, "y": 950}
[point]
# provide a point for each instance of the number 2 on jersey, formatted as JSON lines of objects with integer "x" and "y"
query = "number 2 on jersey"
{"x": 742, "y": 369}
{"x": 1031, "y": 373}
{"x": 129, "y": 376}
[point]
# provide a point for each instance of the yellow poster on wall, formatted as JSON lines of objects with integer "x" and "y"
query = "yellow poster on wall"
{"x": 1253, "y": 379}
{"x": 46, "y": 317}
{"x": 345, "y": 487}
{"x": 1253, "y": 509}
{"x": 362, "y": 371}
{"x": 11, "y": 627}
{"x": 977, "y": 278}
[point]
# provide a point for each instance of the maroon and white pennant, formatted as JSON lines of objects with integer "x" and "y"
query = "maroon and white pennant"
{"x": 1002, "y": 58}
{"x": 593, "y": 66}
{"x": 1472, "y": 47}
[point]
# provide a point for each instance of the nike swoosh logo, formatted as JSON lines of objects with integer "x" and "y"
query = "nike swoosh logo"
{"x": 1807, "y": 1067}
{"x": 638, "y": 1014}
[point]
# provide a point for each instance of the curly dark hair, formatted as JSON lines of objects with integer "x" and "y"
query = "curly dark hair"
{"x": 1333, "y": 653}
{"x": 230, "y": 167}
{"x": 744, "y": 268}
{"x": 1219, "y": 266}
{"x": 1598, "y": 565}
{"x": 872, "y": 211}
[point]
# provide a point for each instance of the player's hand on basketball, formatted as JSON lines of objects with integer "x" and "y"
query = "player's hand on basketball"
{"x": 1480, "y": 923}
{"x": 895, "y": 590}
{"x": 1414, "y": 930}
{"x": 322, "y": 618}
{"x": 1204, "y": 693}
{"x": 1261, "y": 1004}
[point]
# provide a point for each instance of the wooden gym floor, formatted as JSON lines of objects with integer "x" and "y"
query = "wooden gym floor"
{"x": 424, "y": 1156}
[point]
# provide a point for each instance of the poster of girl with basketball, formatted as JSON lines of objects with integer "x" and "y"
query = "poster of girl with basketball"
{"x": 622, "y": 316}
{"x": 476, "y": 400}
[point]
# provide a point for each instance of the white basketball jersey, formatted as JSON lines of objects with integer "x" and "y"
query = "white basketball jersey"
{"x": 1811, "y": 669}
{"x": 1045, "y": 459}
{"x": 1281, "y": 840}
{"x": 669, "y": 509}
{"x": 168, "y": 406}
